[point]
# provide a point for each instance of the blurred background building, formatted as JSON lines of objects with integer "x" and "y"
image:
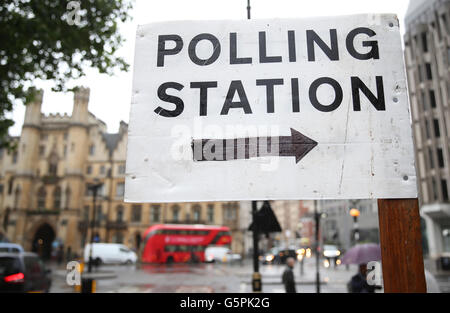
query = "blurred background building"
{"x": 44, "y": 195}
{"x": 339, "y": 227}
{"x": 427, "y": 54}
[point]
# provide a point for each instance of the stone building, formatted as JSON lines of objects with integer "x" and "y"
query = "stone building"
{"x": 44, "y": 194}
{"x": 427, "y": 54}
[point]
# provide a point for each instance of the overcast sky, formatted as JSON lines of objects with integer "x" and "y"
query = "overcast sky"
{"x": 111, "y": 96}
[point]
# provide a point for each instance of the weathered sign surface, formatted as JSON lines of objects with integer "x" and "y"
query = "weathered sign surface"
{"x": 270, "y": 109}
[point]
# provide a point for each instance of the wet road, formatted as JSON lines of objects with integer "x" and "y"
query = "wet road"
{"x": 226, "y": 278}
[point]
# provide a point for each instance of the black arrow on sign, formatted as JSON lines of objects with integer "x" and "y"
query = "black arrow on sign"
{"x": 296, "y": 145}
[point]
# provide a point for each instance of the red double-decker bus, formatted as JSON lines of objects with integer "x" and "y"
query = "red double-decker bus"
{"x": 166, "y": 243}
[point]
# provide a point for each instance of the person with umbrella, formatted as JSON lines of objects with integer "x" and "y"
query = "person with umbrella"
{"x": 358, "y": 283}
{"x": 362, "y": 254}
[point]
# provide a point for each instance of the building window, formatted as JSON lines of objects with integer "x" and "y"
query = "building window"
{"x": 91, "y": 150}
{"x": 176, "y": 213}
{"x": 16, "y": 197}
{"x": 52, "y": 169}
{"x": 430, "y": 157}
{"x": 68, "y": 193}
{"x": 122, "y": 169}
{"x": 136, "y": 213}
{"x": 444, "y": 190}
{"x": 440, "y": 156}
{"x": 424, "y": 42}
{"x": 196, "y": 211}
{"x": 99, "y": 216}
{"x": 120, "y": 189}
{"x": 119, "y": 215}
{"x": 89, "y": 170}
{"x": 10, "y": 185}
{"x": 102, "y": 169}
{"x": 53, "y": 165}
{"x": 1, "y": 190}
{"x": 434, "y": 187}
{"x": 118, "y": 238}
{"x": 424, "y": 101}
{"x": 57, "y": 198}
{"x": 210, "y": 213}
{"x": 41, "y": 196}
{"x": 86, "y": 213}
{"x": 14, "y": 158}
{"x": 432, "y": 99}
{"x": 419, "y": 73}
{"x": 90, "y": 193}
{"x": 155, "y": 213}
{"x": 41, "y": 150}
{"x": 229, "y": 211}
{"x": 44, "y": 136}
{"x": 427, "y": 129}
{"x": 437, "y": 133}
{"x": 65, "y": 151}
{"x": 444, "y": 22}
{"x": 429, "y": 71}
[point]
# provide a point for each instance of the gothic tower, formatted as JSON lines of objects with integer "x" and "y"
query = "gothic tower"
{"x": 28, "y": 149}
{"x": 78, "y": 137}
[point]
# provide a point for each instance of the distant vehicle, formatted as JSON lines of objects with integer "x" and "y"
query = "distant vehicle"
{"x": 331, "y": 253}
{"x": 168, "y": 243}
{"x": 109, "y": 253}
{"x": 10, "y": 247}
{"x": 220, "y": 254}
{"x": 271, "y": 257}
{"x": 23, "y": 272}
{"x": 279, "y": 255}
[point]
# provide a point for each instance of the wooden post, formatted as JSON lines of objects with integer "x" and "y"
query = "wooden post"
{"x": 401, "y": 245}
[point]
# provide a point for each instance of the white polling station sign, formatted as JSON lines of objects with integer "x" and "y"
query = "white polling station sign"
{"x": 270, "y": 109}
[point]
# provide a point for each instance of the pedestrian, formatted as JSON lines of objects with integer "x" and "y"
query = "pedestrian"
{"x": 288, "y": 276}
{"x": 69, "y": 254}
{"x": 358, "y": 283}
{"x": 60, "y": 255}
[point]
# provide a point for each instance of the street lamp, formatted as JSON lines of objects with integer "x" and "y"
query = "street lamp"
{"x": 94, "y": 188}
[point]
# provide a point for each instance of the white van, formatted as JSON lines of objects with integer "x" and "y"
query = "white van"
{"x": 10, "y": 247}
{"x": 109, "y": 253}
{"x": 220, "y": 254}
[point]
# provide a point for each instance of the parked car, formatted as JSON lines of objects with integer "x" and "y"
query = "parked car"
{"x": 10, "y": 247}
{"x": 23, "y": 272}
{"x": 220, "y": 254}
{"x": 109, "y": 253}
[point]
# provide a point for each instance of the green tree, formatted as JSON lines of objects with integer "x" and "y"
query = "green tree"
{"x": 55, "y": 40}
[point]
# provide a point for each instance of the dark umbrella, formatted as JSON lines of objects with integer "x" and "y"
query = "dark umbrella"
{"x": 362, "y": 254}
